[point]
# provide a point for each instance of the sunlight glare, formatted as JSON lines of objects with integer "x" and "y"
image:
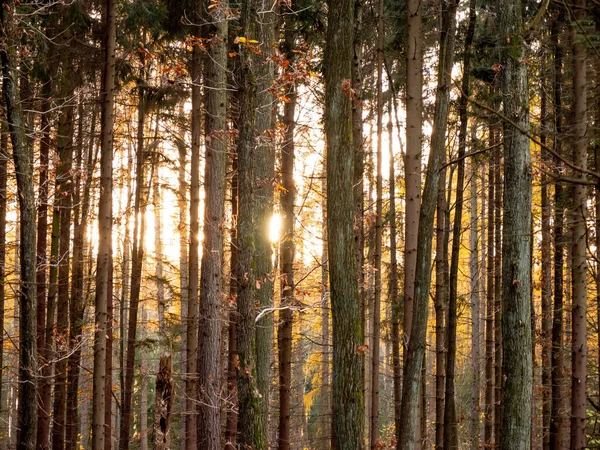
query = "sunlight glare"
{"x": 275, "y": 228}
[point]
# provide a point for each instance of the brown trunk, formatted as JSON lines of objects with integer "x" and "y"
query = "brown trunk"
{"x": 515, "y": 430}
{"x": 347, "y": 396}
{"x": 163, "y": 405}
{"x": 326, "y": 407}
{"x": 286, "y": 316}
{"x": 103, "y": 274}
{"x": 43, "y": 430}
{"x": 476, "y": 289}
{"x": 497, "y": 293}
{"x": 4, "y": 157}
{"x": 211, "y": 280}
{"x": 579, "y": 237}
{"x": 489, "y": 313}
{"x": 23, "y": 159}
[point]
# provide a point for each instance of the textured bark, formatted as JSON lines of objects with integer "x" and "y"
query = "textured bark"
{"x": 143, "y": 386}
{"x": 232, "y": 358}
{"x": 374, "y": 422}
{"x": 418, "y": 330}
{"x": 286, "y": 317}
{"x": 267, "y": 28}
{"x": 23, "y": 159}
{"x": 497, "y": 290}
{"x": 546, "y": 277}
{"x": 326, "y": 407}
{"x": 579, "y": 236}
{"x": 4, "y": 157}
{"x": 249, "y": 417}
{"x": 105, "y": 226}
{"x": 441, "y": 306}
{"x": 414, "y": 137}
{"x": 43, "y": 429}
{"x": 158, "y": 238}
{"x": 193, "y": 256}
{"x": 489, "y": 313}
{"x": 347, "y": 396}
{"x": 163, "y": 406}
{"x": 211, "y": 278}
{"x": 516, "y": 251}
{"x": 395, "y": 299}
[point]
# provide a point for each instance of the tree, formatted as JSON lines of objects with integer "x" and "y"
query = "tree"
{"x": 347, "y": 398}
{"x": 211, "y": 279}
{"x": 516, "y": 251}
{"x": 104, "y": 227}
{"x": 23, "y": 159}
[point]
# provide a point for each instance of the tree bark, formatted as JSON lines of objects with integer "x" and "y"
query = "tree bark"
{"x": 489, "y": 313}
{"x": 579, "y": 236}
{"x": 347, "y": 397}
{"x": 516, "y": 251}
{"x": 211, "y": 278}
{"x": 23, "y": 159}
{"x": 163, "y": 405}
{"x": 104, "y": 226}
{"x": 286, "y": 317}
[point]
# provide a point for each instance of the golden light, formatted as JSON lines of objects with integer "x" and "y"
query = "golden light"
{"x": 275, "y": 228}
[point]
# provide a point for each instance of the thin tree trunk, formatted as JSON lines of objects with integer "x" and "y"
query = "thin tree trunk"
{"x": 417, "y": 340}
{"x": 515, "y": 428}
{"x": 474, "y": 274}
{"x": 347, "y": 396}
{"x": 489, "y": 313}
{"x": 105, "y": 226}
{"x": 326, "y": 407}
{"x": 286, "y": 317}
{"x": 4, "y": 157}
{"x": 43, "y": 430}
{"x": 23, "y": 159}
{"x": 143, "y": 387}
{"x": 211, "y": 279}
{"x": 579, "y": 238}
{"x": 497, "y": 292}
{"x": 374, "y": 422}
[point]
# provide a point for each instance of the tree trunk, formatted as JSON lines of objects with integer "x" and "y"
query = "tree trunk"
{"x": 579, "y": 237}
{"x": 347, "y": 397}
{"x": 4, "y": 157}
{"x": 418, "y": 329}
{"x": 326, "y": 407}
{"x": 105, "y": 229}
{"x": 23, "y": 159}
{"x": 163, "y": 405}
{"x": 194, "y": 242}
{"x": 286, "y": 316}
{"x": 489, "y": 313}
{"x": 143, "y": 387}
{"x": 374, "y": 422}
{"x": 475, "y": 274}
{"x": 43, "y": 429}
{"x": 249, "y": 417}
{"x": 516, "y": 251}
{"x": 497, "y": 290}
{"x": 211, "y": 280}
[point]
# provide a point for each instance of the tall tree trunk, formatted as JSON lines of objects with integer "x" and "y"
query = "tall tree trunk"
{"x": 475, "y": 284}
{"x": 546, "y": 277}
{"x": 579, "y": 238}
{"x": 4, "y": 157}
{"x": 104, "y": 226}
{"x": 249, "y": 427}
{"x": 347, "y": 397}
{"x": 23, "y": 159}
{"x": 211, "y": 279}
{"x": 417, "y": 340}
{"x": 266, "y": 29}
{"x": 326, "y": 407}
{"x": 286, "y": 317}
{"x": 158, "y": 238}
{"x": 395, "y": 300}
{"x": 43, "y": 429}
{"x": 489, "y": 313}
{"x": 497, "y": 290}
{"x": 516, "y": 251}
{"x": 374, "y": 422}
{"x": 194, "y": 242}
